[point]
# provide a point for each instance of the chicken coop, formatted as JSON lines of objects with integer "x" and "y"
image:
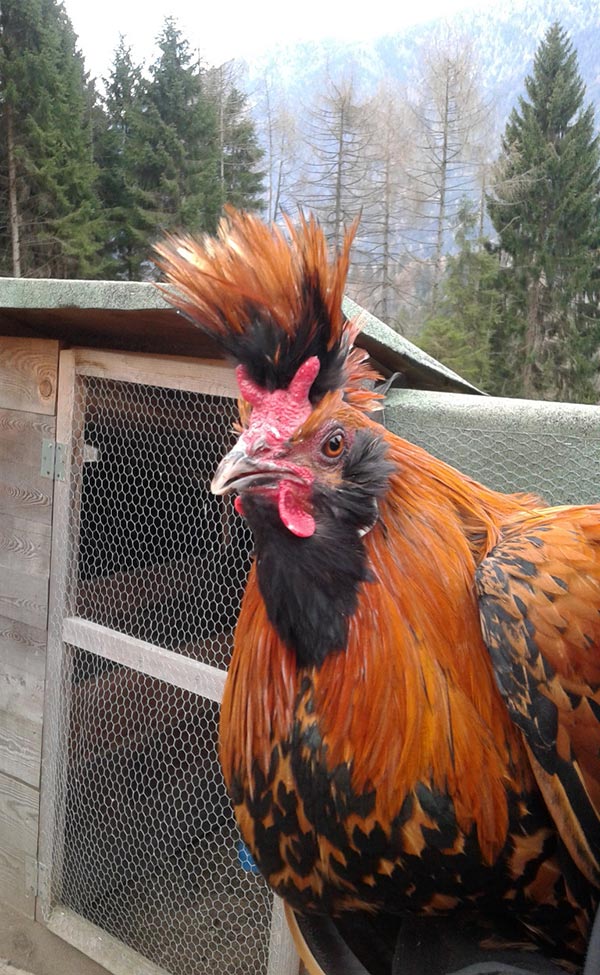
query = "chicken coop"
{"x": 120, "y": 584}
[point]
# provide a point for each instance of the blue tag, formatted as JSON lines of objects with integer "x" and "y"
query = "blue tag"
{"x": 246, "y": 859}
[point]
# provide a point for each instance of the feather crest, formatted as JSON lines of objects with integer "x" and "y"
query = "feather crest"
{"x": 271, "y": 301}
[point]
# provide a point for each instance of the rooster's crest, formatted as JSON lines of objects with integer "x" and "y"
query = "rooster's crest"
{"x": 272, "y": 302}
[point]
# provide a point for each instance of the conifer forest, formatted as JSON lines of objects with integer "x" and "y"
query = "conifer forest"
{"x": 478, "y": 235}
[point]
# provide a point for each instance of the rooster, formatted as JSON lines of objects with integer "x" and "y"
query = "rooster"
{"x": 411, "y": 720}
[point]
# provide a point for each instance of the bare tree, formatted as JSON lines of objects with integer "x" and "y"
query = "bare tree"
{"x": 386, "y": 218}
{"x": 280, "y": 137}
{"x": 335, "y": 186}
{"x": 449, "y": 122}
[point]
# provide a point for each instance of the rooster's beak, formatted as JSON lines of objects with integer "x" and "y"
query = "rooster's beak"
{"x": 239, "y": 470}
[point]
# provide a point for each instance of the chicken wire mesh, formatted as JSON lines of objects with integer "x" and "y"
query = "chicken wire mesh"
{"x": 158, "y": 557}
{"x": 149, "y": 842}
{"x": 144, "y": 843}
{"x": 549, "y": 449}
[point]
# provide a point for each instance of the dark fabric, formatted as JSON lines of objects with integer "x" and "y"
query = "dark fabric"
{"x": 361, "y": 944}
{"x": 438, "y": 946}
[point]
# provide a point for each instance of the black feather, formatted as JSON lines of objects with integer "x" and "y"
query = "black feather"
{"x": 272, "y": 357}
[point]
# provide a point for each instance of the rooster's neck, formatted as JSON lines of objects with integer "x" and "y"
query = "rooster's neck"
{"x": 310, "y": 586}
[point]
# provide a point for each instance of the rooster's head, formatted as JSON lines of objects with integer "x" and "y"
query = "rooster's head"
{"x": 274, "y": 304}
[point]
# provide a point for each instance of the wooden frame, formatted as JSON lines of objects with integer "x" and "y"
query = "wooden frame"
{"x": 28, "y": 384}
{"x": 198, "y": 376}
{"x": 209, "y": 376}
{"x": 99, "y": 945}
{"x": 52, "y": 816}
{"x": 146, "y": 658}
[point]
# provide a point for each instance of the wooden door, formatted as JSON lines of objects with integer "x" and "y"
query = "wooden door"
{"x": 140, "y": 851}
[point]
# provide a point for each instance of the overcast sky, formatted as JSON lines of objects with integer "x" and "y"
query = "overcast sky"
{"x": 225, "y": 29}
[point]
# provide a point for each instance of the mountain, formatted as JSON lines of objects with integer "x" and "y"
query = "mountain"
{"x": 504, "y": 36}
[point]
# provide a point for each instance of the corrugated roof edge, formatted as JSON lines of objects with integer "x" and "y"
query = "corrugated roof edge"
{"x": 381, "y": 341}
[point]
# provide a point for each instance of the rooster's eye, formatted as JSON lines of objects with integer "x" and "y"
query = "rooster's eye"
{"x": 334, "y": 445}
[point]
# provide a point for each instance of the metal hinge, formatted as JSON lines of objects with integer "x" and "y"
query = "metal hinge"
{"x": 53, "y": 460}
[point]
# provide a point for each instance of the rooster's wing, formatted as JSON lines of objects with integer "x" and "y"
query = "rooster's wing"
{"x": 539, "y": 597}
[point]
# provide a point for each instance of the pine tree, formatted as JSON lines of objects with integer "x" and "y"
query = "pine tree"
{"x": 119, "y": 151}
{"x": 178, "y": 166}
{"x": 239, "y": 154}
{"x": 172, "y": 150}
{"x": 50, "y": 214}
{"x": 469, "y": 308}
{"x": 545, "y": 208}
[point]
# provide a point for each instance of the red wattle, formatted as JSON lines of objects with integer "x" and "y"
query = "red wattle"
{"x": 291, "y": 499}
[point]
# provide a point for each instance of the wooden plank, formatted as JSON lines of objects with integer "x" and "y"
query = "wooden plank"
{"x": 20, "y": 748}
{"x": 192, "y": 675}
{"x": 21, "y": 642}
{"x": 24, "y": 597}
{"x": 19, "y": 815}
{"x": 22, "y": 671}
{"x": 61, "y": 587}
{"x": 28, "y": 374}
{"x": 25, "y": 545}
{"x": 97, "y": 943}
{"x": 67, "y": 496}
{"x": 212, "y": 377}
{"x": 24, "y": 493}
{"x": 14, "y": 889}
{"x": 21, "y": 436}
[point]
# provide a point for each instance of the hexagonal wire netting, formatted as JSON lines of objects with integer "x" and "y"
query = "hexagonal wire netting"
{"x": 548, "y": 449}
{"x": 159, "y": 557}
{"x": 144, "y": 842}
